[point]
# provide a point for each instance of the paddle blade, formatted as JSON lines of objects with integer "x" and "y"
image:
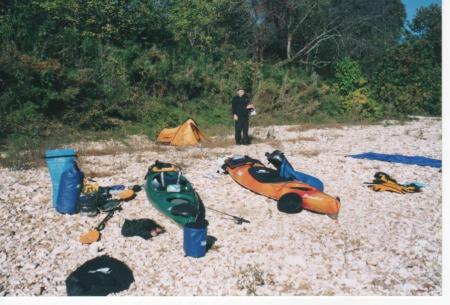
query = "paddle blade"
{"x": 90, "y": 237}
{"x": 126, "y": 194}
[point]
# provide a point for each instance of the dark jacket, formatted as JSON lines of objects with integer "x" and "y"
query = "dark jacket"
{"x": 239, "y": 106}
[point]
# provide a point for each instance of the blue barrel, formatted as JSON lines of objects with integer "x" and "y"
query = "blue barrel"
{"x": 69, "y": 192}
{"x": 58, "y": 161}
{"x": 195, "y": 237}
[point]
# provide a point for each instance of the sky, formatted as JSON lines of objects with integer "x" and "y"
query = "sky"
{"x": 413, "y": 5}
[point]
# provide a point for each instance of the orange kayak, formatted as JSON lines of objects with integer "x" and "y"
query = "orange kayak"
{"x": 253, "y": 175}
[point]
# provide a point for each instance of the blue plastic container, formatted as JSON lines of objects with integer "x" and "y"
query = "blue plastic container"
{"x": 69, "y": 192}
{"x": 58, "y": 161}
{"x": 195, "y": 238}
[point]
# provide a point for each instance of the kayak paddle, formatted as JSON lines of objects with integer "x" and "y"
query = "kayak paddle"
{"x": 237, "y": 220}
{"x": 94, "y": 234}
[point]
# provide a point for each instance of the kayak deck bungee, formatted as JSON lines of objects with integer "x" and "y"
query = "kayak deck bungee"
{"x": 253, "y": 175}
{"x": 173, "y": 195}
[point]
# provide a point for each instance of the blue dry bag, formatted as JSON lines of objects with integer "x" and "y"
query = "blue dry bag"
{"x": 195, "y": 237}
{"x": 69, "y": 190}
{"x": 58, "y": 161}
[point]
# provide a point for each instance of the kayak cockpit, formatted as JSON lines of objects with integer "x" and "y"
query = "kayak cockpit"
{"x": 170, "y": 182}
{"x": 266, "y": 175}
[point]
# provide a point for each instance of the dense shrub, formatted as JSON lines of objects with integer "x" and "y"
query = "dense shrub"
{"x": 355, "y": 96}
{"x": 138, "y": 66}
{"x": 299, "y": 97}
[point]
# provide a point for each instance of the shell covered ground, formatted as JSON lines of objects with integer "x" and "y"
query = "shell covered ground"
{"x": 382, "y": 244}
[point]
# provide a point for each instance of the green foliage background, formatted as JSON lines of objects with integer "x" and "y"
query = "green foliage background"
{"x": 90, "y": 66}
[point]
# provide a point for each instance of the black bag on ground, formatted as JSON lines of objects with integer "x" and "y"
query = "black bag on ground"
{"x": 140, "y": 227}
{"x": 99, "y": 277}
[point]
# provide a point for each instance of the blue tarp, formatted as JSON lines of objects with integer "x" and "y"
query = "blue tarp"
{"x": 417, "y": 160}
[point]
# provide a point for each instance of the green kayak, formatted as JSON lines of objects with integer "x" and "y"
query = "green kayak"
{"x": 173, "y": 195}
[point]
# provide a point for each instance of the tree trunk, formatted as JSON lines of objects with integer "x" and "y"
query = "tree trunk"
{"x": 289, "y": 31}
{"x": 289, "y": 46}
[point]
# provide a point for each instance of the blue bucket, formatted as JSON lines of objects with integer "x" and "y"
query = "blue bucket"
{"x": 58, "y": 161}
{"x": 195, "y": 238}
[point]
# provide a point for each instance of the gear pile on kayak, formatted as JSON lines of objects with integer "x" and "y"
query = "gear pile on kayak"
{"x": 292, "y": 195}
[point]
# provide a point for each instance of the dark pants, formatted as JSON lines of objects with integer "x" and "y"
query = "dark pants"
{"x": 241, "y": 126}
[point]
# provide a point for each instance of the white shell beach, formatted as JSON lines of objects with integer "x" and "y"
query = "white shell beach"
{"x": 383, "y": 244}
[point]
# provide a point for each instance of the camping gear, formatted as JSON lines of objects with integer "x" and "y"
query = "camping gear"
{"x": 253, "y": 175}
{"x": 159, "y": 166}
{"x": 118, "y": 187}
{"x": 108, "y": 203}
{"x": 195, "y": 238}
{"x": 126, "y": 194}
{"x": 104, "y": 192}
{"x": 185, "y": 134}
{"x": 136, "y": 188}
{"x": 417, "y": 160}
{"x": 102, "y": 200}
{"x": 279, "y": 160}
{"x": 99, "y": 277}
{"x": 94, "y": 234}
{"x": 89, "y": 186}
{"x": 88, "y": 204}
{"x": 69, "y": 191}
{"x": 237, "y": 220}
{"x": 182, "y": 206}
{"x": 58, "y": 161}
{"x": 417, "y": 184}
{"x": 103, "y": 195}
{"x": 145, "y": 228}
{"x": 110, "y": 206}
{"x": 384, "y": 182}
{"x": 116, "y": 190}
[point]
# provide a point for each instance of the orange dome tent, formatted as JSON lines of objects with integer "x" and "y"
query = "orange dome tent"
{"x": 186, "y": 134}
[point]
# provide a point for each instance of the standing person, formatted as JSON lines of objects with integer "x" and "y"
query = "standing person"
{"x": 241, "y": 107}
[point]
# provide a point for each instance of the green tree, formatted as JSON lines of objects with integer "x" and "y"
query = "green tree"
{"x": 428, "y": 25}
{"x": 356, "y": 97}
{"x": 348, "y": 76}
{"x": 319, "y": 33}
{"x": 408, "y": 79}
{"x": 211, "y": 26}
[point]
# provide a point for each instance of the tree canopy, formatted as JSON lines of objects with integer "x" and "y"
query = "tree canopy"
{"x": 144, "y": 64}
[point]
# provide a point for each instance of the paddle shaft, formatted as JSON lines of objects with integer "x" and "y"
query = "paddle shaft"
{"x": 239, "y": 219}
{"x": 101, "y": 225}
